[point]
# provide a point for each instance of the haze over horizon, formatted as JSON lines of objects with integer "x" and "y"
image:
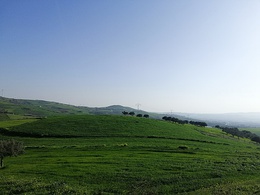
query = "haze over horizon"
{"x": 180, "y": 56}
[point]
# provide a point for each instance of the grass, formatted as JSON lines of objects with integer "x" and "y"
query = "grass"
{"x": 129, "y": 155}
{"x": 114, "y": 126}
{"x": 11, "y": 123}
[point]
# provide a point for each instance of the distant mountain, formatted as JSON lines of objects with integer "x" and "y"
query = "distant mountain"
{"x": 114, "y": 109}
{"x": 40, "y": 108}
{"x": 37, "y": 108}
{"x": 227, "y": 119}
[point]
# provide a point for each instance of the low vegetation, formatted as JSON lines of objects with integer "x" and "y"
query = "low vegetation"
{"x": 10, "y": 148}
{"x": 128, "y": 155}
{"x": 4, "y": 117}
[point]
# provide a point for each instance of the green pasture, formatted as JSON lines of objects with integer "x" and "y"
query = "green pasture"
{"x": 10, "y": 123}
{"x": 129, "y": 155}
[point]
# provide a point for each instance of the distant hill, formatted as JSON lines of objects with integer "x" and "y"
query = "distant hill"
{"x": 10, "y": 108}
{"x": 37, "y": 108}
{"x": 114, "y": 109}
{"x": 118, "y": 109}
{"x": 40, "y": 108}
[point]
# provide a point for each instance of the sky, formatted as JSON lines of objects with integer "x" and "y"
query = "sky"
{"x": 195, "y": 56}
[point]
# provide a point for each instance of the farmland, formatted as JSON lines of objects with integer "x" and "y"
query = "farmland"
{"x": 89, "y": 154}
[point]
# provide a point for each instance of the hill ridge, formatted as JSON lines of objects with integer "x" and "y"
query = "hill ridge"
{"x": 43, "y": 108}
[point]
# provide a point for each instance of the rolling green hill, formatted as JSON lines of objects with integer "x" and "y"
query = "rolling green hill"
{"x": 97, "y": 154}
{"x": 40, "y": 108}
{"x": 103, "y": 125}
{"x": 37, "y": 107}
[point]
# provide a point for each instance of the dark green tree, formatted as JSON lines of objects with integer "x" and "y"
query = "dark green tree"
{"x": 146, "y": 115}
{"x": 125, "y": 113}
{"x": 139, "y": 115}
{"x": 10, "y": 148}
{"x": 256, "y": 139}
{"x": 131, "y": 113}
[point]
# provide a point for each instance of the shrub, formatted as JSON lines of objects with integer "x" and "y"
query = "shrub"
{"x": 10, "y": 148}
{"x": 183, "y": 147}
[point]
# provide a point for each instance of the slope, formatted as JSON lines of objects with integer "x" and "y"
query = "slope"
{"x": 115, "y": 126}
{"x": 129, "y": 155}
{"x": 106, "y": 125}
{"x": 37, "y": 107}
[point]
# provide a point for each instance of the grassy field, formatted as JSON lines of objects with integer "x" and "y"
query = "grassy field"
{"x": 129, "y": 155}
{"x": 12, "y": 123}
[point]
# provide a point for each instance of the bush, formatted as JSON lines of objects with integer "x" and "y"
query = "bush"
{"x": 10, "y": 148}
{"x": 146, "y": 116}
{"x": 183, "y": 147}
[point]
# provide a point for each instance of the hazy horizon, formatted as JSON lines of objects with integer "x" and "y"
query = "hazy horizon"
{"x": 169, "y": 56}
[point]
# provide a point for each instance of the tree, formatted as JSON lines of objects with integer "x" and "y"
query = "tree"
{"x": 167, "y": 118}
{"x": 146, "y": 115}
{"x": 125, "y": 113}
{"x": 10, "y": 148}
{"x": 131, "y": 113}
{"x": 256, "y": 139}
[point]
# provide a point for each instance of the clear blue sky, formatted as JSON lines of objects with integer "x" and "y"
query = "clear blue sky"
{"x": 199, "y": 56}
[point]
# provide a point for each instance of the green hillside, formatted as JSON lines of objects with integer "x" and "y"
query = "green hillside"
{"x": 88, "y": 154}
{"x": 37, "y": 107}
{"x": 40, "y": 108}
{"x": 106, "y": 125}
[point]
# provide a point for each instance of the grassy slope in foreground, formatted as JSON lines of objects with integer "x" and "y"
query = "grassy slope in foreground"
{"x": 129, "y": 155}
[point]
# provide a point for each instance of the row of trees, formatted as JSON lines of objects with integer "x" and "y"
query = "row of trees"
{"x": 176, "y": 120}
{"x": 236, "y": 132}
{"x": 198, "y": 123}
{"x": 133, "y": 114}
